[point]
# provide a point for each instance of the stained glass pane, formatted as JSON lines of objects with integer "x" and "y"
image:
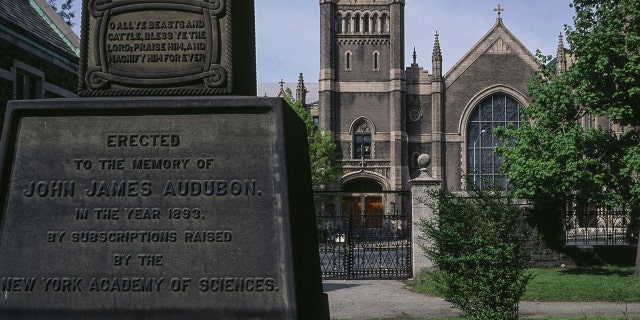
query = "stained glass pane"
{"x": 483, "y": 164}
{"x": 486, "y": 111}
{"x": 513, "y": 114}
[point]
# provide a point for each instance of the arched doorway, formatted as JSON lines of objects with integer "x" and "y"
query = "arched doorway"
{"x": 362, "y": 201}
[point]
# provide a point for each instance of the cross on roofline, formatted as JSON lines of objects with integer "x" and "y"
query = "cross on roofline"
{"x": 499, "y": 9}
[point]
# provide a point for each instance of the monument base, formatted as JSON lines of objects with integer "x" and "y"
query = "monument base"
{"x": 157, "y": 208}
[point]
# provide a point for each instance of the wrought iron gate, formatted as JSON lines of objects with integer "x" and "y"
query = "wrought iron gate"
{"x": 370, "y": 246}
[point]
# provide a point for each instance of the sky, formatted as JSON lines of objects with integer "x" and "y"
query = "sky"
{"x": 288, "y": 31}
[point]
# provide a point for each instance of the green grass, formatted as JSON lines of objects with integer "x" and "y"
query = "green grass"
{"x": 613, "y": 284}
{"x": 579, "y": 318}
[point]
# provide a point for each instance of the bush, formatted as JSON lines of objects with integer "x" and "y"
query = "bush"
{"x": 477, "y": 245}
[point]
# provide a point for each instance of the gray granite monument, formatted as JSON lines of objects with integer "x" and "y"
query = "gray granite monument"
{"x": 148, "y": 198}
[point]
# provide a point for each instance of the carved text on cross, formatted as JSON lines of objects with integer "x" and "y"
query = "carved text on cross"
{"x": 499, "y": 9}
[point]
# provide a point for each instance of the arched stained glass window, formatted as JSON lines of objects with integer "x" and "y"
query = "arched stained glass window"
{"x": 497, "y": 110}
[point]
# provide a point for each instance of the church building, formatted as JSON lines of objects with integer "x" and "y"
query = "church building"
{"x": 383, "y": 115}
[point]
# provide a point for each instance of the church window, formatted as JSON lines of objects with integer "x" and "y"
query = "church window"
{"x": 362, "y": 140}
{"x": 346, "y": 24}
{"x": 376, "y": 62}
{"x": 365, "y": 22}
{"x": 483, "y": 164}
{"x": 362, "y": 146}
{"x": 374, "y": 24}
{"x": 347, "y": 57}
{"x": 383, "y": 23}
{"x": 356, "y": 23}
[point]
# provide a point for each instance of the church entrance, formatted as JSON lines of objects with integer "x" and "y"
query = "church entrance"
{"x": 364, "y": 232}
{"x": 365, "y": 210}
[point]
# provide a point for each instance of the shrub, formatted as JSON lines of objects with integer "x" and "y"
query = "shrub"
{"x": 477, "y": 245}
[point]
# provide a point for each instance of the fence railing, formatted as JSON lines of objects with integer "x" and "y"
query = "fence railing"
{"x": 349, "y": 249}
{"x": 364, "y": 235}
{"x": 600, "y": 227}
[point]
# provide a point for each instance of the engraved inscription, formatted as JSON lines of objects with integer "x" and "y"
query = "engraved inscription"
{"x": 141, "y": 43}
{"x": 139, "y": 284}
{"x": 126, "y": 210}
{"x": 170, "y": 45}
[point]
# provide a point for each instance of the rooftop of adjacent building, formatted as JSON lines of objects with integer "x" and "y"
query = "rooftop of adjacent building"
{"x": 276, "y": 89}
{"x": 35, "y": 21}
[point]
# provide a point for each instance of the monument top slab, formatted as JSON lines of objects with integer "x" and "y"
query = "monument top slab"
{"x": 167, "y": 48}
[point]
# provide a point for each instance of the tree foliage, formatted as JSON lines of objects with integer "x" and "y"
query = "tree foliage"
{"x": 556, "y": 157}
{"x": 65, "y": 10}
{"x": 322, "y": 151}
{"x": 477, "y": 245}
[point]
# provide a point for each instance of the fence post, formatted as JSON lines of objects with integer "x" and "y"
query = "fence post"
{"x": 420, "y": 190}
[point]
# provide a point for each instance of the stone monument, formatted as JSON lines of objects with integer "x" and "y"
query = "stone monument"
{"x": 149, "y": 198}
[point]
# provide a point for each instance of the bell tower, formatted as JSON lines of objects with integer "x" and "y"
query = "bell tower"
{"x": 362, "y": 86}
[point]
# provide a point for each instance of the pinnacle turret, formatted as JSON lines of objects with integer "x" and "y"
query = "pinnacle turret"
{"x": 561, "y": 58}
{"x": 437, "y": 57}
{"x": 301, "y": 90}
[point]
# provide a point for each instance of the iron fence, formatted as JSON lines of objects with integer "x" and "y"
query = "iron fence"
{"x": 349, "y": 250}
{"x": 364, "y": 235}
{"x": 600, "y": 227}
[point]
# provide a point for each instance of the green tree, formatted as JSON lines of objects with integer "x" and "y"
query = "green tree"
{"x": 555, "y": 158}
{"x": 65, "y": 10}
{"x": 325, "y": 172}
{"x": 477, "y": 243}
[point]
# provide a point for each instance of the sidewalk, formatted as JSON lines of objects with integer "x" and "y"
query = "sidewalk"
{"x": 389, "y": 299}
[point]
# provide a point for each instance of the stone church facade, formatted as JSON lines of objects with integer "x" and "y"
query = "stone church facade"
{"x": 383, "y": 115}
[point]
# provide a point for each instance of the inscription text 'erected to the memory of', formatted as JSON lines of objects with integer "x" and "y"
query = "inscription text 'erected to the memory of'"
{"x": 137, "y": 212}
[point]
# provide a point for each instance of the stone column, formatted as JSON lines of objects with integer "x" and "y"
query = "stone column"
{"x": 420, "y": 190}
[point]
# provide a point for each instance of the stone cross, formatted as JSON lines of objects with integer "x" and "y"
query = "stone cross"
{"x": 499, "y": 9}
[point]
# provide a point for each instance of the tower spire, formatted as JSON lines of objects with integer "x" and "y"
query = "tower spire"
{"x": 415, "y": 57}
{"x": 436, "y": 58}
{"x": 561, "y": 58}
{"x": 301, "y": 90}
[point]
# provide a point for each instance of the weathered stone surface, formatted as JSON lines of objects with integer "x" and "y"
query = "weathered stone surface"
{"x": 157, "y": 208}
{"x": 173, "y": 48}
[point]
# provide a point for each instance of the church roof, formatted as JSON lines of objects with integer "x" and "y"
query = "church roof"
{"x": 272, "y": 89}
{"x": 36, "y": 23}
{"x": 499, "y": 40}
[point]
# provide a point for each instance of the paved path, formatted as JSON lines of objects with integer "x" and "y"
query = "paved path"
{"x": 388, "y": 299}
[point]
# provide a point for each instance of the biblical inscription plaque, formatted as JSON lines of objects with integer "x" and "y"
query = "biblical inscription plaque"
{"x": 168, "y": 209}
{"x": 185, "y": 47}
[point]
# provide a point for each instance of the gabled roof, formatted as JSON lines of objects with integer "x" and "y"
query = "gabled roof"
{"x": 37, "y": 23}
{"x": 499, "y": 40}
{"x": 268, "y": 89}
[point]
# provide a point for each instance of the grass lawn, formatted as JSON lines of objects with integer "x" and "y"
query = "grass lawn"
{"x": 581, "y": 318}
{"x": 614, "y": 284}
